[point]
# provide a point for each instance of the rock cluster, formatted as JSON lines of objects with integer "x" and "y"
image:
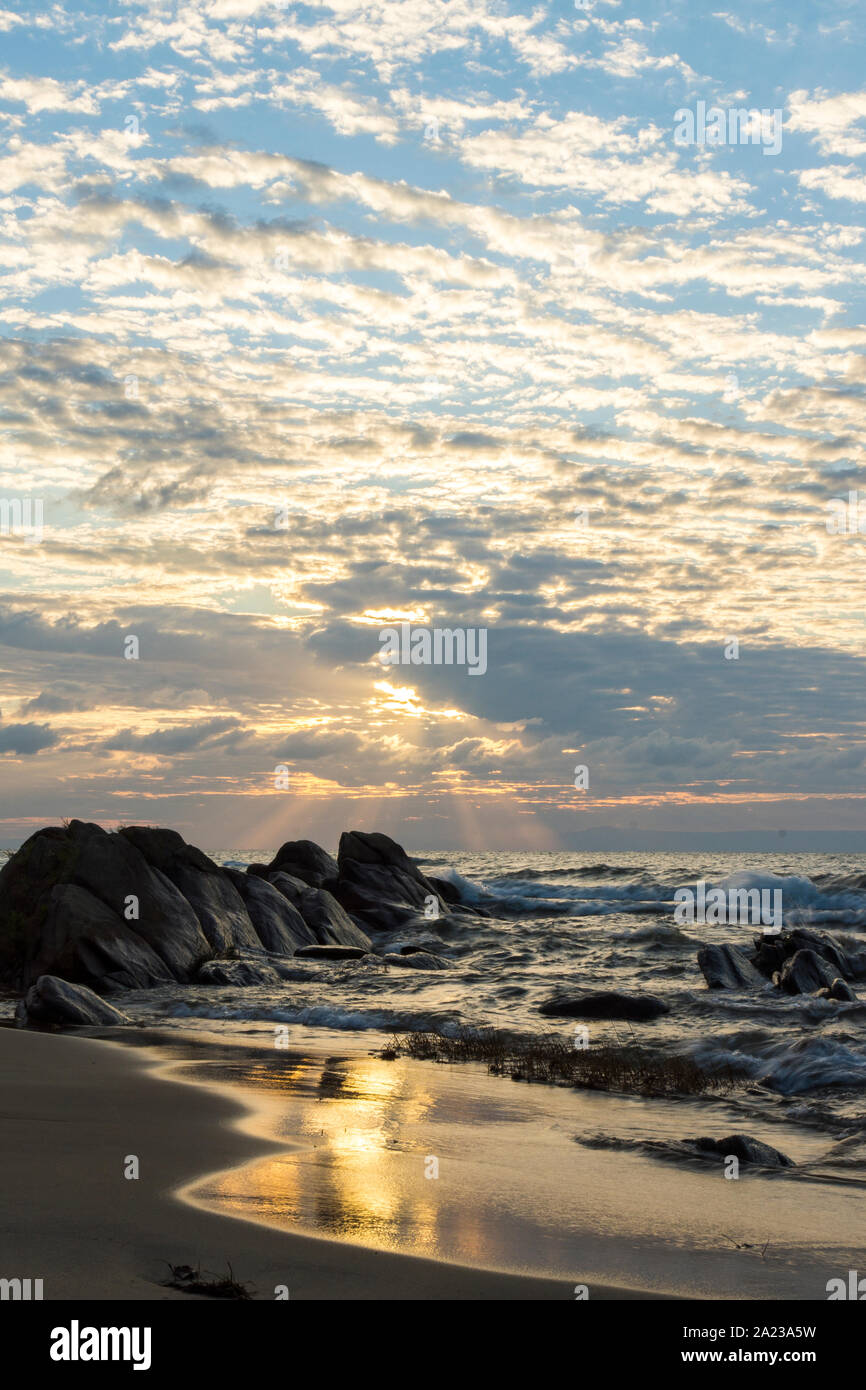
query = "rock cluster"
{"x": 801, "y": 961}
{"x": 139, "y": 907}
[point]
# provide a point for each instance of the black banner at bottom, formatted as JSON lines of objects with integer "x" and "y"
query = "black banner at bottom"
{"x": 633, "y": 1336}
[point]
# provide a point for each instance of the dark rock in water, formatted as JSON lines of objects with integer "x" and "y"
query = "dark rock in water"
{"x": 278, "y": 923}
{"x": 606, "y": 1004}
{"x": 418, "y": 960}
{"x": 742, "y": 1147}
{"x": 770, "y": 955}
{"x": 805, "y": 973}
{"x": 359, "y": 847}
{"x": 838, "y": 990}
{"x": 85, "y": 941}
{"x": 237, "y": 972}
{"x": 161, "y": 847}
{"x": 331, "y": 953}
{"x": 292, "y": 888}
{"x": 110, "y": 869}
{"x": 727, "y": 967}
{"x": 446, "y": 889}
{"x": 331, "y": 923}
{"x": 847, "y": 962}
{"x": 50, "y": 1000}
{"x": 114, "y": 870}
{"x": 140, "y": 907}
{"x": 218, "y": 906}
{"x": 305, "y": 860}
{"x": 380, "y": 883}
{"x": 206, "y": 887}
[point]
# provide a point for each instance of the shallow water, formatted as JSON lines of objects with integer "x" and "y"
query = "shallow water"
{"x": 565, "y": 920}
{"x": 518, "y": 1183}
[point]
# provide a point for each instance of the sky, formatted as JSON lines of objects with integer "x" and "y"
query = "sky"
{"x": 320, "y": 318}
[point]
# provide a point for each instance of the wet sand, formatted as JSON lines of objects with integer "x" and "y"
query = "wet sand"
{"x": 73, "y": 1111}
{"x": 312, "y": 1170}
{"x": 523, "y": 1183}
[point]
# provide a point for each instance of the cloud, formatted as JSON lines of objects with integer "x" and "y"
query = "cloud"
{"x": 26, "y": 739}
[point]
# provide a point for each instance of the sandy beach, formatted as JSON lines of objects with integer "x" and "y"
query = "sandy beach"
{"x": 306, "y": 1170}
{"x": 74, "y": 1108}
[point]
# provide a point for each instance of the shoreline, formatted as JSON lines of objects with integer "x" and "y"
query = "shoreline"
{"x": 77, "y": 1108}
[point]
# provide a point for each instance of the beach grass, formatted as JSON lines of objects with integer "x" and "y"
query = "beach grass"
{"x": 623, "y": 1065}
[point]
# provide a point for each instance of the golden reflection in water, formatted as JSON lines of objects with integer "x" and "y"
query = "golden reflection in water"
{"x": 359, "y": 1176}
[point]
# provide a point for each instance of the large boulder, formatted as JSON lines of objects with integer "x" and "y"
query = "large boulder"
{"x": 330, "y": 923}
{"x": 110, "y": 869}
{"x": 26, "y": 883}
{"x": 50, "y": 1000}
{"x": 847, "y": 961}
{"x": 291, "y": 887}
{"x": 218, "y": 906}
{"x": 278, "y": 923}
{"x": 84, "y": 940}
{"x": 115, "y": 871}
{"x": 207, "y": 888}
{"x": 638, "y": 1008}
{"x": 375, "y": 851}
{"x": 379, "y": 883}
{"x": 728, "y": 967}
{"x": 305, "y": 860}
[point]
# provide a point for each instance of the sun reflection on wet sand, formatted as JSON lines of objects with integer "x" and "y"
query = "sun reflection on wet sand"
{"x": 514, "y": 1191}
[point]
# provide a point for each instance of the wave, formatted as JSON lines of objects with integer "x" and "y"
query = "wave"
{"x": 546, "y": 892}
{"x": 583, "y": 871}
{"x": 348, "y": 1019}
{"x": 790, "y": 1068}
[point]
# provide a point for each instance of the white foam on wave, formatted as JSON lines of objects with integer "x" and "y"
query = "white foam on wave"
{"x": 788, "y": 1067}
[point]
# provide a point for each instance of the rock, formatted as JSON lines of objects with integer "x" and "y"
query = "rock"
{"x": 330, "y": 953}
{"x": 330, "y": 923}
{"x": 218, "y": 906}
{"x": 51, "y": 1000}
{"x": 744, "y": 1148}
{"x": 380, "y": 884}
{"x": 359, "y": 847}
{"x": 278, "y": 924}
{"x": 26, "y": 882}
{"x": 838, "y": 990}
{"x": 110, "y": 869}
{"x": 207, "y": 888}
{"x": 292, "y": 888}
{"x": 85, "y": 941}
{"x": 728, "y": 967}
{"x": 114, "y": 870}
{"x": 140, "y": 907}
{"x": 770, "y": 955}
{"x": 805, "y": 973}
{"x": 418, "y": 960}
{"x": 237, "y": 972}
{"x": 849, "y": 963}
{"x": 606, "y": 1004}
{"x": 448, "y": 891}
{"x": 161, "y": 847}
{"x": 307, "y": 861}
